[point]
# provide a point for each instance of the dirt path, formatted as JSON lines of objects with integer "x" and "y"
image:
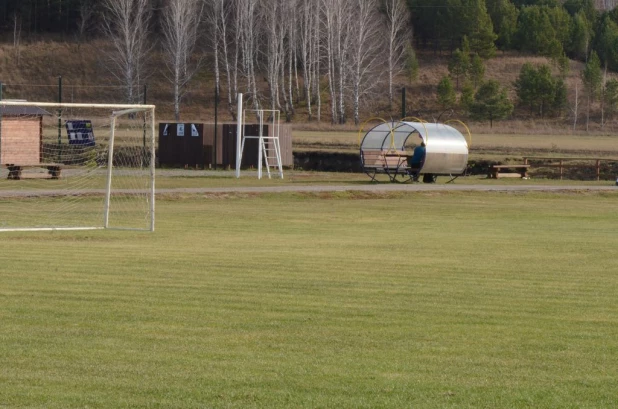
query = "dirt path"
{"x": 394, "y": 187}
{"x": 377, "y": 188}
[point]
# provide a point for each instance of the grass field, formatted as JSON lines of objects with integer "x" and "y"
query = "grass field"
{"x": 338, "y": 300}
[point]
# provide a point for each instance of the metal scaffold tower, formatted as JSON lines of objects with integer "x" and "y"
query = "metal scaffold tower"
{"x": 269, "y": 149}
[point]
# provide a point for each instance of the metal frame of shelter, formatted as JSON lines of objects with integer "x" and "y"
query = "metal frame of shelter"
{"x": 446, "y": 149}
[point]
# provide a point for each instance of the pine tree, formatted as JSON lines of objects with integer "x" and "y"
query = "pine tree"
{"x": 610, "y": 96}
{"x": 503, "y": 15}
{"x": 491, "y": 103}
{"x": 477, "y": 70}
{"x": 525, "y": 85}
{"x": 467, "y": 95}
{"x": 540, "y": 90}
{"x": 459, "y": 65}
{"x": 581, "y": 34}
{"x": 592, "y": 79}
{"x": 446, "y": 93}
{"x": 411, "y": 63}
{"x": 482, "y": 36}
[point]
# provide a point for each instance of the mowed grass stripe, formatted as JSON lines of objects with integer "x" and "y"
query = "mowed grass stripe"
{"x": 429, "y": 300}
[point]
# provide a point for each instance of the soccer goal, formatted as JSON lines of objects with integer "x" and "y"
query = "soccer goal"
{"x": 76, "y": 166}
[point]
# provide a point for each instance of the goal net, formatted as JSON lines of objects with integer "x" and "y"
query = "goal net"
{"x": 76, "y": 166}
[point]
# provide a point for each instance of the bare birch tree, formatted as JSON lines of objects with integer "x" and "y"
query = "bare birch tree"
{"x": 315, "y": 56}
{"x": 291, "y": 52}
{"x": 309, "y": 34}
{"x": 274, "y": 35}
{"x": 246, "y": 26}
{"x": 336, "y": 26}
{"x": 126, "y": 24}
{"x": 17, "y": 35}
{"x": 329, "y": 19}
{"x": 237, "y": 36}
{"x": 214, "y": 26}
{"x": 397, "y": 18}
{"x": 223, "y": 21}
{"x": 575, "y": 108}
{"x": 180, "y": 26}
{"x": 342, "y": 46}
{"x": 363, "y": 51}
{"x": 218, "y": 17}
{"x": 84, "y": 21}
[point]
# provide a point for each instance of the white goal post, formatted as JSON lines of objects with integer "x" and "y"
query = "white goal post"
{"x": 76, "y": 166}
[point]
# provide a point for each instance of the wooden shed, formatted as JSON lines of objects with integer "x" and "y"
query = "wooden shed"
{"x": 194, "y": 148}
{"x": 21, "y": 135}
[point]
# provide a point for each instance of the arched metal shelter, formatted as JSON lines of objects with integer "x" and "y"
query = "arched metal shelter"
{"x": 446, "y": 148}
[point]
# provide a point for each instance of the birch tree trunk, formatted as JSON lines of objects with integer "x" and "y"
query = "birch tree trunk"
{"x": 292, "y": 52}
{"x": 307, "y": 35}
{"x": 212, "y": 13}
{"x": 329, "y": 14}
{"x": 126, "y": 25}
{"x": 397, "y": 18}
{"x": 180, "y": 27}
{"x": 337, "y": 26}
{"x": 342, "y": 43}
{"x": 223, "y": 21}
{"x": 364, "y": 49}
{"x": 576, "y": 107}
{"x": 246, "y": 26}
{"x": 17, "y": 36}
{"x": 274, "y": 34}
{"x": 316, "y": 58}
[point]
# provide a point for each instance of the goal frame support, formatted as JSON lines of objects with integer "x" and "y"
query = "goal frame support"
{"x": 117, "y": 111}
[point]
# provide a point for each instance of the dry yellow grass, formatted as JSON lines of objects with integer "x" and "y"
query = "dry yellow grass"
{"x": 482, "y": 143}
{"x": 32, "y": 73}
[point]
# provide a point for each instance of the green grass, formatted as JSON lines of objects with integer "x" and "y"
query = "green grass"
{"x": 178, "y": 179}
{"x": 338, "y": 300}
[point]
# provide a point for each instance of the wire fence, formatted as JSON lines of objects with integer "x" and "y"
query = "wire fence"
{"x": 195, "y": 103}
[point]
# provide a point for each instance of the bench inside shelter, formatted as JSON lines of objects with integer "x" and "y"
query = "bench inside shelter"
{"x": 393, "y": 163}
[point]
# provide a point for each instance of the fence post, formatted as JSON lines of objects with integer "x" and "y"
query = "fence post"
{"x": 216, "y": 123}
{"x": 144, "y": 130}
{"x": 403, "y": 103}
{"x": 59, "y": 117}
{"x": 1, "y": 123}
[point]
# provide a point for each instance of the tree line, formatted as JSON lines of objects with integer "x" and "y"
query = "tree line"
{"x": 335, "y": 55}
{"x": 574, "y": 28}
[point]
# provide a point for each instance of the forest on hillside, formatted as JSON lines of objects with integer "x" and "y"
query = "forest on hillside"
{"x": 331, "y": 58}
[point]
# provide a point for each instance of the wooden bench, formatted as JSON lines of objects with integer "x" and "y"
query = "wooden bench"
{"x": 495, "y": 171}
{"x": 391, "y": 163}
{"x": 15, "y": 170}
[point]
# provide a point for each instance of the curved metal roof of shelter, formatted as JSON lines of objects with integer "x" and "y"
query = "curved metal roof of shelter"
{"x": 446, "y": 147}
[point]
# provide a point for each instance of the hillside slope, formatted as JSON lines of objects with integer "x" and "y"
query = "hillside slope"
{"x": 31, "y": 72}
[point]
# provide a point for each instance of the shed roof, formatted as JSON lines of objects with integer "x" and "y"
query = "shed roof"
{"x": 17, "y": 110}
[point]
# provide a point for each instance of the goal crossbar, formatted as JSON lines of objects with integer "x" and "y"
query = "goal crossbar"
{"x": 75, "y": 105}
